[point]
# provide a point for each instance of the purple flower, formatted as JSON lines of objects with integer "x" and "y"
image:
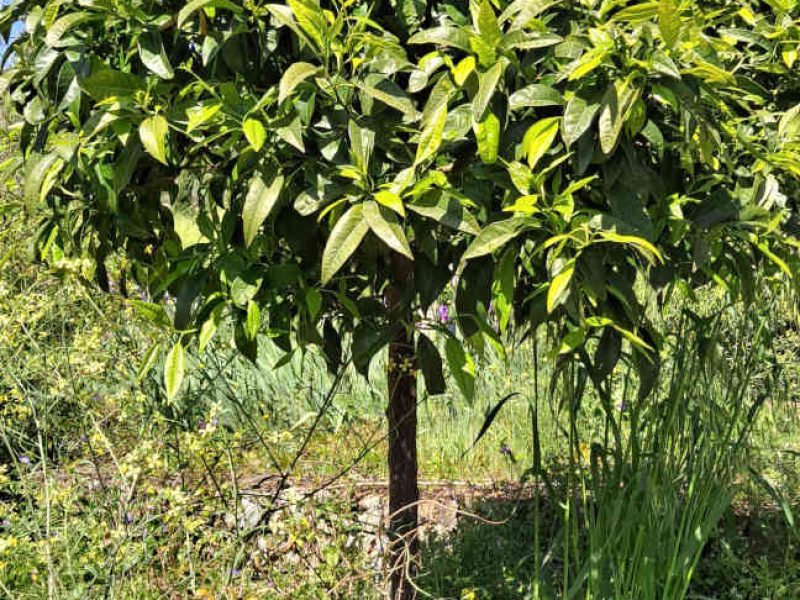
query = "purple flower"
{"x": 24, "y": 459}
{"x": 214, "y": 421}
{"x": 128, "y": 518}
{"x": 235, "y": 572}
{"x": 505, "y": 450}
{"x": 443, "y": 313}
{"x": 84, "y": 439}
{"x": 201, "y": 425}
{"x": 5, "y": 523}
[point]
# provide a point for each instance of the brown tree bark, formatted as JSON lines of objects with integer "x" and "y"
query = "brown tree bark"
{"x": 402, "y": 423}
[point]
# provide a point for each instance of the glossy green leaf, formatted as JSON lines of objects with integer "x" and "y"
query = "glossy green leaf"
{"x": 558, "y": 291}
{"x": 539, "y": 139}
{"x": 101, "y": 82}
{"x": 294, "y": 76}
{"x": 487, "y": 85}
{"x": 386, "y": 226}
{"x": 431, "y": 137}
{"x": 494, "y": 236}
{"x": 258, "y": 204}
{"x": 487, "y": 135}
{"x": 578, "y": 117}
{"x": 151, "y": 51}
{"x": 57, "y": 30}
{"x": 536, "y": 95}
{"x": 343, "y": 241}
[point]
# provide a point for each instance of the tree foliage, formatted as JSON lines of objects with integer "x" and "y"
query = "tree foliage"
{"x": 564, "y": 160}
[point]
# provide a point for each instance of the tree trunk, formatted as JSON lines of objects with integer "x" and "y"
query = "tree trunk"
{"x": 402, "y": 422}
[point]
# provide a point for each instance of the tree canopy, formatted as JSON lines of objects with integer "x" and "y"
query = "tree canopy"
{"x": 262, "y": 162}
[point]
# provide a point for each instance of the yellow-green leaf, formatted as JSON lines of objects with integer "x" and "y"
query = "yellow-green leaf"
{"x": 487, "y": 134}
{"x": 539, "y": 138}
{"x": 174, "y": 370}
{"x": 153, "y": 133}
{"x": 390, "y": 200}
{"x": 343, "y": 241}
{"x": 559, "y": 288}
{"x": 431, "y": 137}
{"x": 255, "y": 133}
{"x": 294, "y": 76}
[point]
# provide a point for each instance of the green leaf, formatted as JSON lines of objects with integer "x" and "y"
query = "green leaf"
{"x": 200, "y": 115}
{"x": 647, "y": 249}
{"x": 368, "y": 340}
{"x": 57, "y": 30}
{"x": 486, "y": 24}
{"x": 153, "y": 312}
{"x": 461, "y": 367}
{"x": 536, "y": 95}
{"x": 148, "y": 361}
{"x": 487, "y": 134}
{"x": 559, "y": 287}
{"x": 208, "y": 329}
{"x": 390, "y": 200}
{"x": 637, "y": 13}
{"x": 588, "y": 63}
{"x": 294, "y": 76}
{"x": 293, "y": 134}
{"x": 610, "y": 121}
{"x": 259, "y": 202}
{"x": 446, "y": 209}
{"x": 487, "y": 84}
{"x": 430, "y": 362}
{"x": 343, "y": 241}
{"x": 442, "y": 36}
{"x": 103, "y": 82}
{"x": 255, "y": 133}
{"x": 390, "y": 94}
{"x": 362, "y": 142}
{"x": 578, "y": 117}
{"x": 431, "y": 137}
{"x": 40, "y": 177}
{"x": 313, "y": 300}
{"x": 153, "y": 133}
{"x": 253, "y": 320}
{"x": 503, "y": 286}
{"x": 495, "y": 235}
{"x": 538, "y": 139}
{"x": 491, "y": 415}
{"x": 385, "y": 225}
{"x": 174, "y": 370}
{"x": 194, "y": 5}
{"x": 311, "y": 20}
{"x": 151, "y": 51}
{"x": 669, "y": 22}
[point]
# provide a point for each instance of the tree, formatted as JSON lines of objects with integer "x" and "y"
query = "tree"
{"x": 320, "y": 173}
